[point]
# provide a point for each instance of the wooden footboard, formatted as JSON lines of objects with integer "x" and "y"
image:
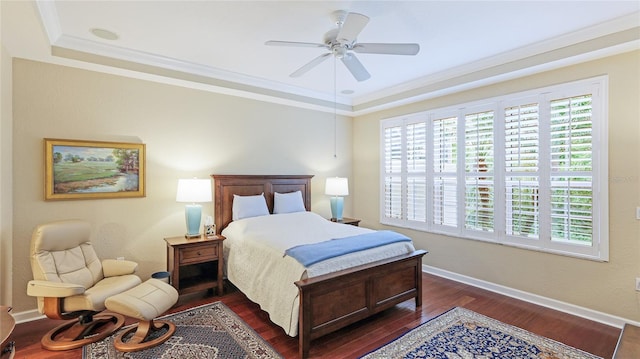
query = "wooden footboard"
{"x": 333, "y": 301}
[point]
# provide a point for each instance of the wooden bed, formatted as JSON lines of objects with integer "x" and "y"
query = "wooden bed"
{"x": 333, "y": 301}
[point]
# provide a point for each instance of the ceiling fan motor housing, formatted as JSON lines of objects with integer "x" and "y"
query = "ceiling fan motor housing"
{"x": 337, "y": 47}
{"x": 339, "y": 51}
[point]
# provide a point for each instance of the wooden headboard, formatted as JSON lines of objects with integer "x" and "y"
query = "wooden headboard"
{"x": 225, "y": 186}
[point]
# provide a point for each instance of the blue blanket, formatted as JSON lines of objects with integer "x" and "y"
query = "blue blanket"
{"x": 308, "y": 254}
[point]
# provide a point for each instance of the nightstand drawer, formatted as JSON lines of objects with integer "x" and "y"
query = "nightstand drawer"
{"x": 196, "y": 254}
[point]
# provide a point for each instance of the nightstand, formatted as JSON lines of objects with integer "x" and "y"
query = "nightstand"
{"x": 195, "y": 264}
{"x": 345, "y": 220}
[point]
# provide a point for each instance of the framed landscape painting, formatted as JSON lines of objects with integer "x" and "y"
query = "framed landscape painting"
{"x": 92, "y": 169}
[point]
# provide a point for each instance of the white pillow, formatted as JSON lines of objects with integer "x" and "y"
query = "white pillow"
{"x": 288, "y": 202}
{"x": 249, "y": 206}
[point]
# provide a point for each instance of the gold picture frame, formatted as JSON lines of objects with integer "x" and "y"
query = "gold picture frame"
{"x": 77, "y": 169}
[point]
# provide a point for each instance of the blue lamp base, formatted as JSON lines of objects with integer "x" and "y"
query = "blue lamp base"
{"x": 337, "y": 204}
{"x": 193, "y": 215}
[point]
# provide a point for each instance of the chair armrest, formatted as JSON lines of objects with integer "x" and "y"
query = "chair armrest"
{"x": 114, "y": 267}
{"x": 43, "y": 288}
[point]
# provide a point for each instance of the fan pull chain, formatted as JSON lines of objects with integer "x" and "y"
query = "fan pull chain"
{"x": 335, "y": 112}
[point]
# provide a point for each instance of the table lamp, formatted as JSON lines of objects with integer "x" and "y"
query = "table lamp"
{"x": 336, "y": 187}
{"x": 193, "y": 191}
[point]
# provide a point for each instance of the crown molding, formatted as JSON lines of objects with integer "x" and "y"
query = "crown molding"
{"x": 622, "y": 24}
{"x": 605, "y": 39}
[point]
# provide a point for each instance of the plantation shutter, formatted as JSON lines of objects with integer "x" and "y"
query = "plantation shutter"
{"x": 393, "y": 149}
{"x": 571, "y": 170}
{"x": 445, "y": 183}
{"x": 522, "y": 178}
{"x": 416, "y": 167}
{"x": 479, "y": 171}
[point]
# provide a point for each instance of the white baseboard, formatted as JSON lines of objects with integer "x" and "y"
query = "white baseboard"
{"x": 27, "y": 316}
{"x": 586, "y": 313}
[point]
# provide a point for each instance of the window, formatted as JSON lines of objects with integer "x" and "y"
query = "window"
{"x": 527, "y": 169}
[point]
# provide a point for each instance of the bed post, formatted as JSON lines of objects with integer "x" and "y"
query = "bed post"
{"x": 304, "y": 328}
{"x": 419, "y": 282}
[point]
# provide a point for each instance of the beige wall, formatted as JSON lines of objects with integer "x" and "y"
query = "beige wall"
{"x": 604, "y": 287}
{"x": 5, "y": 173}
{"x": 195, "y": 133}
{"x": 187, "y": 133}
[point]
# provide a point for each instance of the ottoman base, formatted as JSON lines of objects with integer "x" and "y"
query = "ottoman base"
{"x": 146, "y": 302}
{"x": 144, "y": 330}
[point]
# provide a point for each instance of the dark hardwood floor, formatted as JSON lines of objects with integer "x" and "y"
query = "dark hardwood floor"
{"x": 440, "y": 295}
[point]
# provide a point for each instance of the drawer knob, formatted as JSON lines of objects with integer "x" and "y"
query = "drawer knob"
{"x": 198, "y": 253}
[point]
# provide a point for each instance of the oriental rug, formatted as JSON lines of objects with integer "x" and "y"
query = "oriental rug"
{"x": 462, "y": 333}
{"x": 208, "y": 331}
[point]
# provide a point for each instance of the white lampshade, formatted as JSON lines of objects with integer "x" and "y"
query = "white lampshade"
{"x": 337, "y": 186}
{"x": 194, "y": 190}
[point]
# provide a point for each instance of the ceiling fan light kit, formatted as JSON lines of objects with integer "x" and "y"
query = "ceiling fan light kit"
{"x": 341, "y": 43}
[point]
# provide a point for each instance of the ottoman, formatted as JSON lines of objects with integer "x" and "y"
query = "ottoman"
{"x": 146, "y": 302}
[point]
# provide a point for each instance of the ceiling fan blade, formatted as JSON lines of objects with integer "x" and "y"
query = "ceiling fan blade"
{"x": 311, "y": 64}
{"x": 355, "y": 67}
{"x": 294, "y": 43}
{"x": 353, "y": 24}
{"x": 387, "y": 49}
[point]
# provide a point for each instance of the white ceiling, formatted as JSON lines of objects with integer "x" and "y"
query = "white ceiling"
{"x": 220, "y": 44}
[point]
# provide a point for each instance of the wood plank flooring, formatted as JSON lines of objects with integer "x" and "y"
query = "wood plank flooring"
{"x": 439, "y": 295}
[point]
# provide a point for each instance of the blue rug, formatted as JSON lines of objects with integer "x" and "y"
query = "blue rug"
{"x": 462, "y": 333}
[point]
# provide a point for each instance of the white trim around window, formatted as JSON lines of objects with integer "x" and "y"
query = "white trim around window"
{"x": 528, "y": 169}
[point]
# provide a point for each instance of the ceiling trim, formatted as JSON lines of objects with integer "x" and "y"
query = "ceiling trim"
{"x": 49, "y": 17}
{"x": 616, "y": 36}
{"x": 214, "y": 83}
{"x": 58, "y": 40}
{"x": 614, "y": 26}
{"x": 463, "y": 78}
{"x": 132, "y": 56}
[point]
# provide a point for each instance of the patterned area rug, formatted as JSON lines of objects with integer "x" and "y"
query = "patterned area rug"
{"x": 462, "y": 333}
{"x": 209, "y": 331}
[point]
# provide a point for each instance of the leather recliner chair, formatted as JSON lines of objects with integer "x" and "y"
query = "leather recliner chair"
{"x": 72, "y": 283}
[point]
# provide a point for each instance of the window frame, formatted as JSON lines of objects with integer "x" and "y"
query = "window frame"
{"x": 598, "y": 89}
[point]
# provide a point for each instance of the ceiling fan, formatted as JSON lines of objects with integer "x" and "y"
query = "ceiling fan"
{"x": 341, "y": 43}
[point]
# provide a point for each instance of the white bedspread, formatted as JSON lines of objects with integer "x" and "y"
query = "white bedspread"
{"x": 256, "y": 263}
